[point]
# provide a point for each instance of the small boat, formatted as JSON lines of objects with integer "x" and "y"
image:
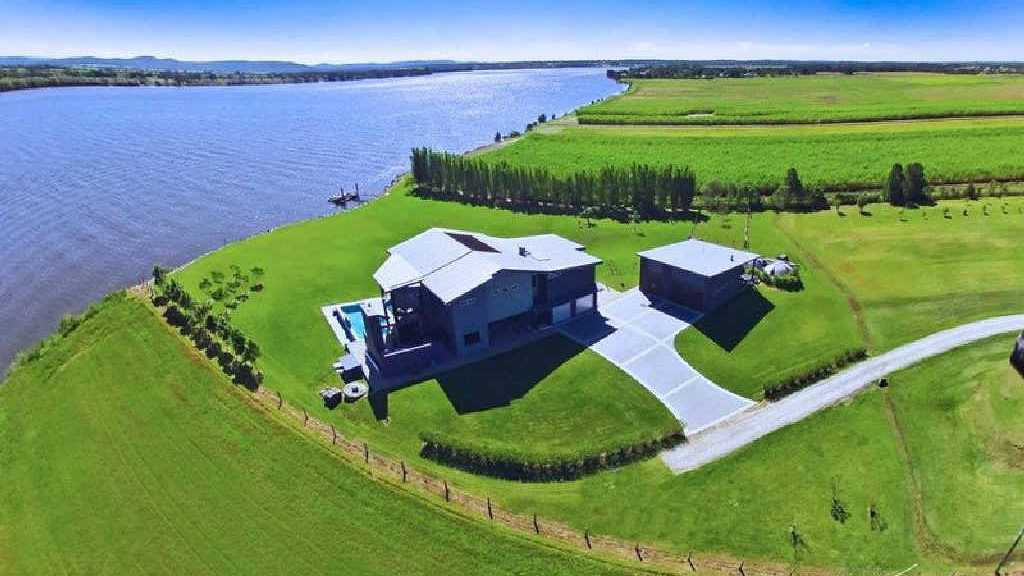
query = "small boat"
{"x": 343, "y": 198}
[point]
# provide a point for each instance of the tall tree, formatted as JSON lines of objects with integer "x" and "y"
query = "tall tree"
{"x": 894, "y": 186}
{"x": 915, "y": 185}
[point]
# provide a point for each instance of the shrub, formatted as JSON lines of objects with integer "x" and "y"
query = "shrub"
{"x": 820, "y": 372}
{"x": 790, "y": 282}
{"x": 509, "y": 465}
{"x": 68, "y": 324}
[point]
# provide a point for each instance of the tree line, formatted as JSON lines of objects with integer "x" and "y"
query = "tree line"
{"x": 212, "y": 333}
{"x": 644, "y": 190}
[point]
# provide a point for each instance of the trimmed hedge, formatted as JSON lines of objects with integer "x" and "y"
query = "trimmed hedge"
{"x": 507, "y": 465}
{"x": 820, "y": 372}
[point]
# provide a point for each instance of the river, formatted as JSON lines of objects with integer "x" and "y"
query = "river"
{"x": 98, "y": 184}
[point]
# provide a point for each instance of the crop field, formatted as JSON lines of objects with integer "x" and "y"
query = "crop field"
{"x": 124, "y": 453}
{"x": 914, "y": 272}
{"x": 820, "y": 98}
{"x": 853, "y": 156}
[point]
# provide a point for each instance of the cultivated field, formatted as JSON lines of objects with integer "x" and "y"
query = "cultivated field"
{"x": 915, "y": 272}
{"x": 852, "y": 156}
{"x": 125, "y": 453}
{"x": 811, "y": 99}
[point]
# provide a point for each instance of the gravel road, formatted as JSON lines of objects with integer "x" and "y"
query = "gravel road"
{"x": 765, "y": 418}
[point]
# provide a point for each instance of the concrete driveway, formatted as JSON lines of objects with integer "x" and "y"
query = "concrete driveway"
{"x": 638, "y": 336}
{"x": 745, "y": 428}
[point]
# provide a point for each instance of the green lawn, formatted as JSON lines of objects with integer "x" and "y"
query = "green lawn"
{"x": 915, "y": 272}
{"x": 857, "y": 155}
{"x": 961, "y": 416}
{"x": 124, "y": 453}
{"x": 549, "y": 399}
{"x": 768, "y": 335}
{"x": 810, "y": 99}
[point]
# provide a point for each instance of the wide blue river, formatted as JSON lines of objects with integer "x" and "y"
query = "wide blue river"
{"x": 98, "y": 184}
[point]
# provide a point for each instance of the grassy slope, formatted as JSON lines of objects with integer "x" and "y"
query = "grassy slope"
{"x": 548, "y": 399}
{"x": 823, "y": 97}
{"x": 124, "y": 453}
{"x": 951, "y": 150}
{"x": 798, "y": 329}
{"x": 924, "y": 273}
{"x": 961, "y": 417}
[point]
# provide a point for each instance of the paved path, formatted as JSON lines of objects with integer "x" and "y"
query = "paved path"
{"x": 748, "y": 426}
{"x": 639, "y": 337}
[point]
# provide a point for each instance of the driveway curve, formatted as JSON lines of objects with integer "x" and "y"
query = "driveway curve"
{"x": 745, "y": 427}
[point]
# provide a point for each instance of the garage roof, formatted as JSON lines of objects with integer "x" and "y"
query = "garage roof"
{"x": 700, "y": 257}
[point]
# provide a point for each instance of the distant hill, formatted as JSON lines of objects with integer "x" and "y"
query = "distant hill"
{"x": 217, "y": 66}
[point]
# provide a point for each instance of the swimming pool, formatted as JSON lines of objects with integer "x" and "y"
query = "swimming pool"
{"x": 356, "y": 321}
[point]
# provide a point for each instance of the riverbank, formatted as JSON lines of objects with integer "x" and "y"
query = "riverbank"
{"x": 104, "y": 182}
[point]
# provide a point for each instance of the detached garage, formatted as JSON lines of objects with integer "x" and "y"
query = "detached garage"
{"x": 696, "y": 274}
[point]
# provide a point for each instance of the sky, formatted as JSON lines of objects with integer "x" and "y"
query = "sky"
{"x": 315, "y": 31}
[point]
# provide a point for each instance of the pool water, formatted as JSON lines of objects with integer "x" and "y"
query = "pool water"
{"x": 355, "y": 320}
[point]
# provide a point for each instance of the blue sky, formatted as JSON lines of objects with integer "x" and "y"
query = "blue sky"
{"x": 386, "y": 30}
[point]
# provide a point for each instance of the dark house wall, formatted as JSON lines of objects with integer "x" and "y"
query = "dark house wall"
{"x": 689, "y": 289}
{"x": 724, "y": 287}
{"x": 571, "y": 284}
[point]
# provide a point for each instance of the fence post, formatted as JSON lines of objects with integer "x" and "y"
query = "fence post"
{"x": 639, "y": 555}
{"x": 404, "y": 472}
{"x": 742, "y": 573}
{"x": 366, "y": 452}
{"x": 280, "y": 400}
{"x": 689, "y": 560}
{"x": 586, "y": 538}
{"x": 536, "y": 525}
{"x": 490, "y": 512}
{"x": 334, "y": 435}
{"x": 445, "y": 490}
{"x": 305, "y": 417}
{"x": 1009, "y": 552}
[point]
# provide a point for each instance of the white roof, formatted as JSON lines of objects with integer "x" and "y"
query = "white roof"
{"x": 704, "y": 258}
{"x": 451, "y": 263}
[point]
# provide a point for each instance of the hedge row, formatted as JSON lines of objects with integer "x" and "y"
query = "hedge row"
{"x": 481, "y": 460}
{"x": 820, "y": 372}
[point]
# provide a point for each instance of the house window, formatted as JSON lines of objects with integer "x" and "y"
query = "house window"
{"x": 471, "y": 339}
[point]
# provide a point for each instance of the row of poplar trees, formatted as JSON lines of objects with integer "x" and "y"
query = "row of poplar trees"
{"x": 648, "y": 190}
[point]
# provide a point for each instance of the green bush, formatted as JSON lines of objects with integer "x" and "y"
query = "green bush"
{"x": 510, "y": 465}
{"x": 820, "y": 372}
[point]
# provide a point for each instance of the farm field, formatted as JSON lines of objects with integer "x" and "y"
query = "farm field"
{"x": 915, "y": 272}
{"x": 848, "y": 156}
{"x": 125, "y": 453}
{"x": 960, "y": 416}
{"x": 744, "y": 505}
{"x": 819, "y": 98}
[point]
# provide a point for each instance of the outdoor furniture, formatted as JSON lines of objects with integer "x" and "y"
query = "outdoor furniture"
{"x": 331, "y": 396}
{"x": 355, "y": 390}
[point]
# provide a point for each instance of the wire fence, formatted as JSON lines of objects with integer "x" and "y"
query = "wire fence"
{"x": 401, "y": 473}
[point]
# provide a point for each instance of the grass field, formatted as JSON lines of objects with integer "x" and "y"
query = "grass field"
{"x": 770, "y": 335}
{"x": 124, "y": 453}
{"x": 550, "y": 399}
{"x": 811, "y": 99}
{"x": 855, "y": 155}
{"x": 745, "y": 505}
{"x": 915, "y": 272}
{"x": 960, "y": 416}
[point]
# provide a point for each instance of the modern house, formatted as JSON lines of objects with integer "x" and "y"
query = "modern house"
{"x": 696, "y": 274}
{"x": 450, "y": 294}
